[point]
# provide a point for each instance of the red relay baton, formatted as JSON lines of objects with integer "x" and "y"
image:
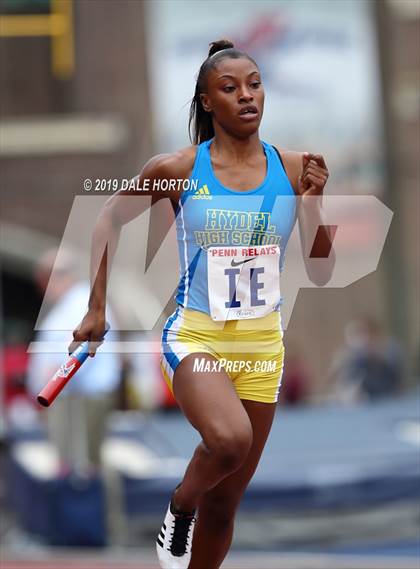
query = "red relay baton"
{"x": 64, "y": 374}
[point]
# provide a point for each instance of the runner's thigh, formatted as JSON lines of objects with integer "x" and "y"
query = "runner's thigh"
{"x": 210, "y": 402}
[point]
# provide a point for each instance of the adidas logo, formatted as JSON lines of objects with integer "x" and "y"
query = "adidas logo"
{"x": 202, "y": 193}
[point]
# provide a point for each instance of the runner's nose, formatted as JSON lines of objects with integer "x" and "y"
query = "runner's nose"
{"x": 245, "y": 96}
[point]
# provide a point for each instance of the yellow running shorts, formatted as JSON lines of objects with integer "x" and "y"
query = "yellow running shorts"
{"x": 250, "y": 351}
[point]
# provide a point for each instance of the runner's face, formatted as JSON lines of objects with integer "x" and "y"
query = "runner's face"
{"x": 235, "y": 96}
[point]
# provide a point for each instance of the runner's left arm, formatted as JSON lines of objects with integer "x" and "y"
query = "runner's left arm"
{"x": 308, "y": 175}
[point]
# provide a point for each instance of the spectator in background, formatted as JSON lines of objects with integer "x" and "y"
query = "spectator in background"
{"x": 19, "y": 409}
{"x": 295, "y": 382}
{"x": 77, "y": 419}
{"x": 369, "y": 366}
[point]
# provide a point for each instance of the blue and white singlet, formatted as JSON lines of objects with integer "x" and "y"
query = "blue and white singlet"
{"x": 232, "y": 243}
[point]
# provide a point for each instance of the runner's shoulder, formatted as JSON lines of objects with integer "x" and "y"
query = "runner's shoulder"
{"x": 292, "y": 160}
{"x": 174, "y": 165}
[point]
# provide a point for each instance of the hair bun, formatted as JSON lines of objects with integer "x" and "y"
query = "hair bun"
{"x": 219, "y": 45}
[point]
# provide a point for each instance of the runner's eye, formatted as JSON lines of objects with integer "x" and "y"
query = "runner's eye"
{"x": 228, "y": 88}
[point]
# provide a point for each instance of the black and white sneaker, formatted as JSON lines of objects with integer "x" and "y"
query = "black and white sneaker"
{"x": 173, "y": 544}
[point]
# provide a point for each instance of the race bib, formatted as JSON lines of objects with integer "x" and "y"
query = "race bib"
{"x": 243, "y": 282}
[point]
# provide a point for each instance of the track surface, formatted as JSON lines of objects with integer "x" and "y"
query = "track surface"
{"x": 249, "y": 560}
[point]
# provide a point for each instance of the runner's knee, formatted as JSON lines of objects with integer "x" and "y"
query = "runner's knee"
{"x": 229, "y": 447}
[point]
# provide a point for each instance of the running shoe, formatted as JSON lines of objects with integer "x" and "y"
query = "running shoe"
{"x": 173, "y": 544}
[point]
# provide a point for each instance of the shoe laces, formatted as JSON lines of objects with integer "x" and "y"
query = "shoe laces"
{"x": 181, "y": 528}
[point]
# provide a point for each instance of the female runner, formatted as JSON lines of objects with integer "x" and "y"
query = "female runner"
{"x": 222, "y": 349}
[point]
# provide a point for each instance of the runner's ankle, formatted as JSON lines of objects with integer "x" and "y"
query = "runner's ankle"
{"x": 179, "y": 507}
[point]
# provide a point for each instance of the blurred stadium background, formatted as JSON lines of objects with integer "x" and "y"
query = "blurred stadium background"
{"x": 92, "y": 89}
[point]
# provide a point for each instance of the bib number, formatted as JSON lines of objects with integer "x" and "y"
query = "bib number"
{"x": 243, "y": 282}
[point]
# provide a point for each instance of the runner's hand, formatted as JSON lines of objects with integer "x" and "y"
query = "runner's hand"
{"x": 314, "y": 175}
{"x": 91, "y": 328}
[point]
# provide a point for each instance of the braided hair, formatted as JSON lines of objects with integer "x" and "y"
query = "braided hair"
{"x": 200, "y": 124}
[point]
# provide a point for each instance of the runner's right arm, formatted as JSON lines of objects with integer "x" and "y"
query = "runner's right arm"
{"x": 122, "y": 207}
